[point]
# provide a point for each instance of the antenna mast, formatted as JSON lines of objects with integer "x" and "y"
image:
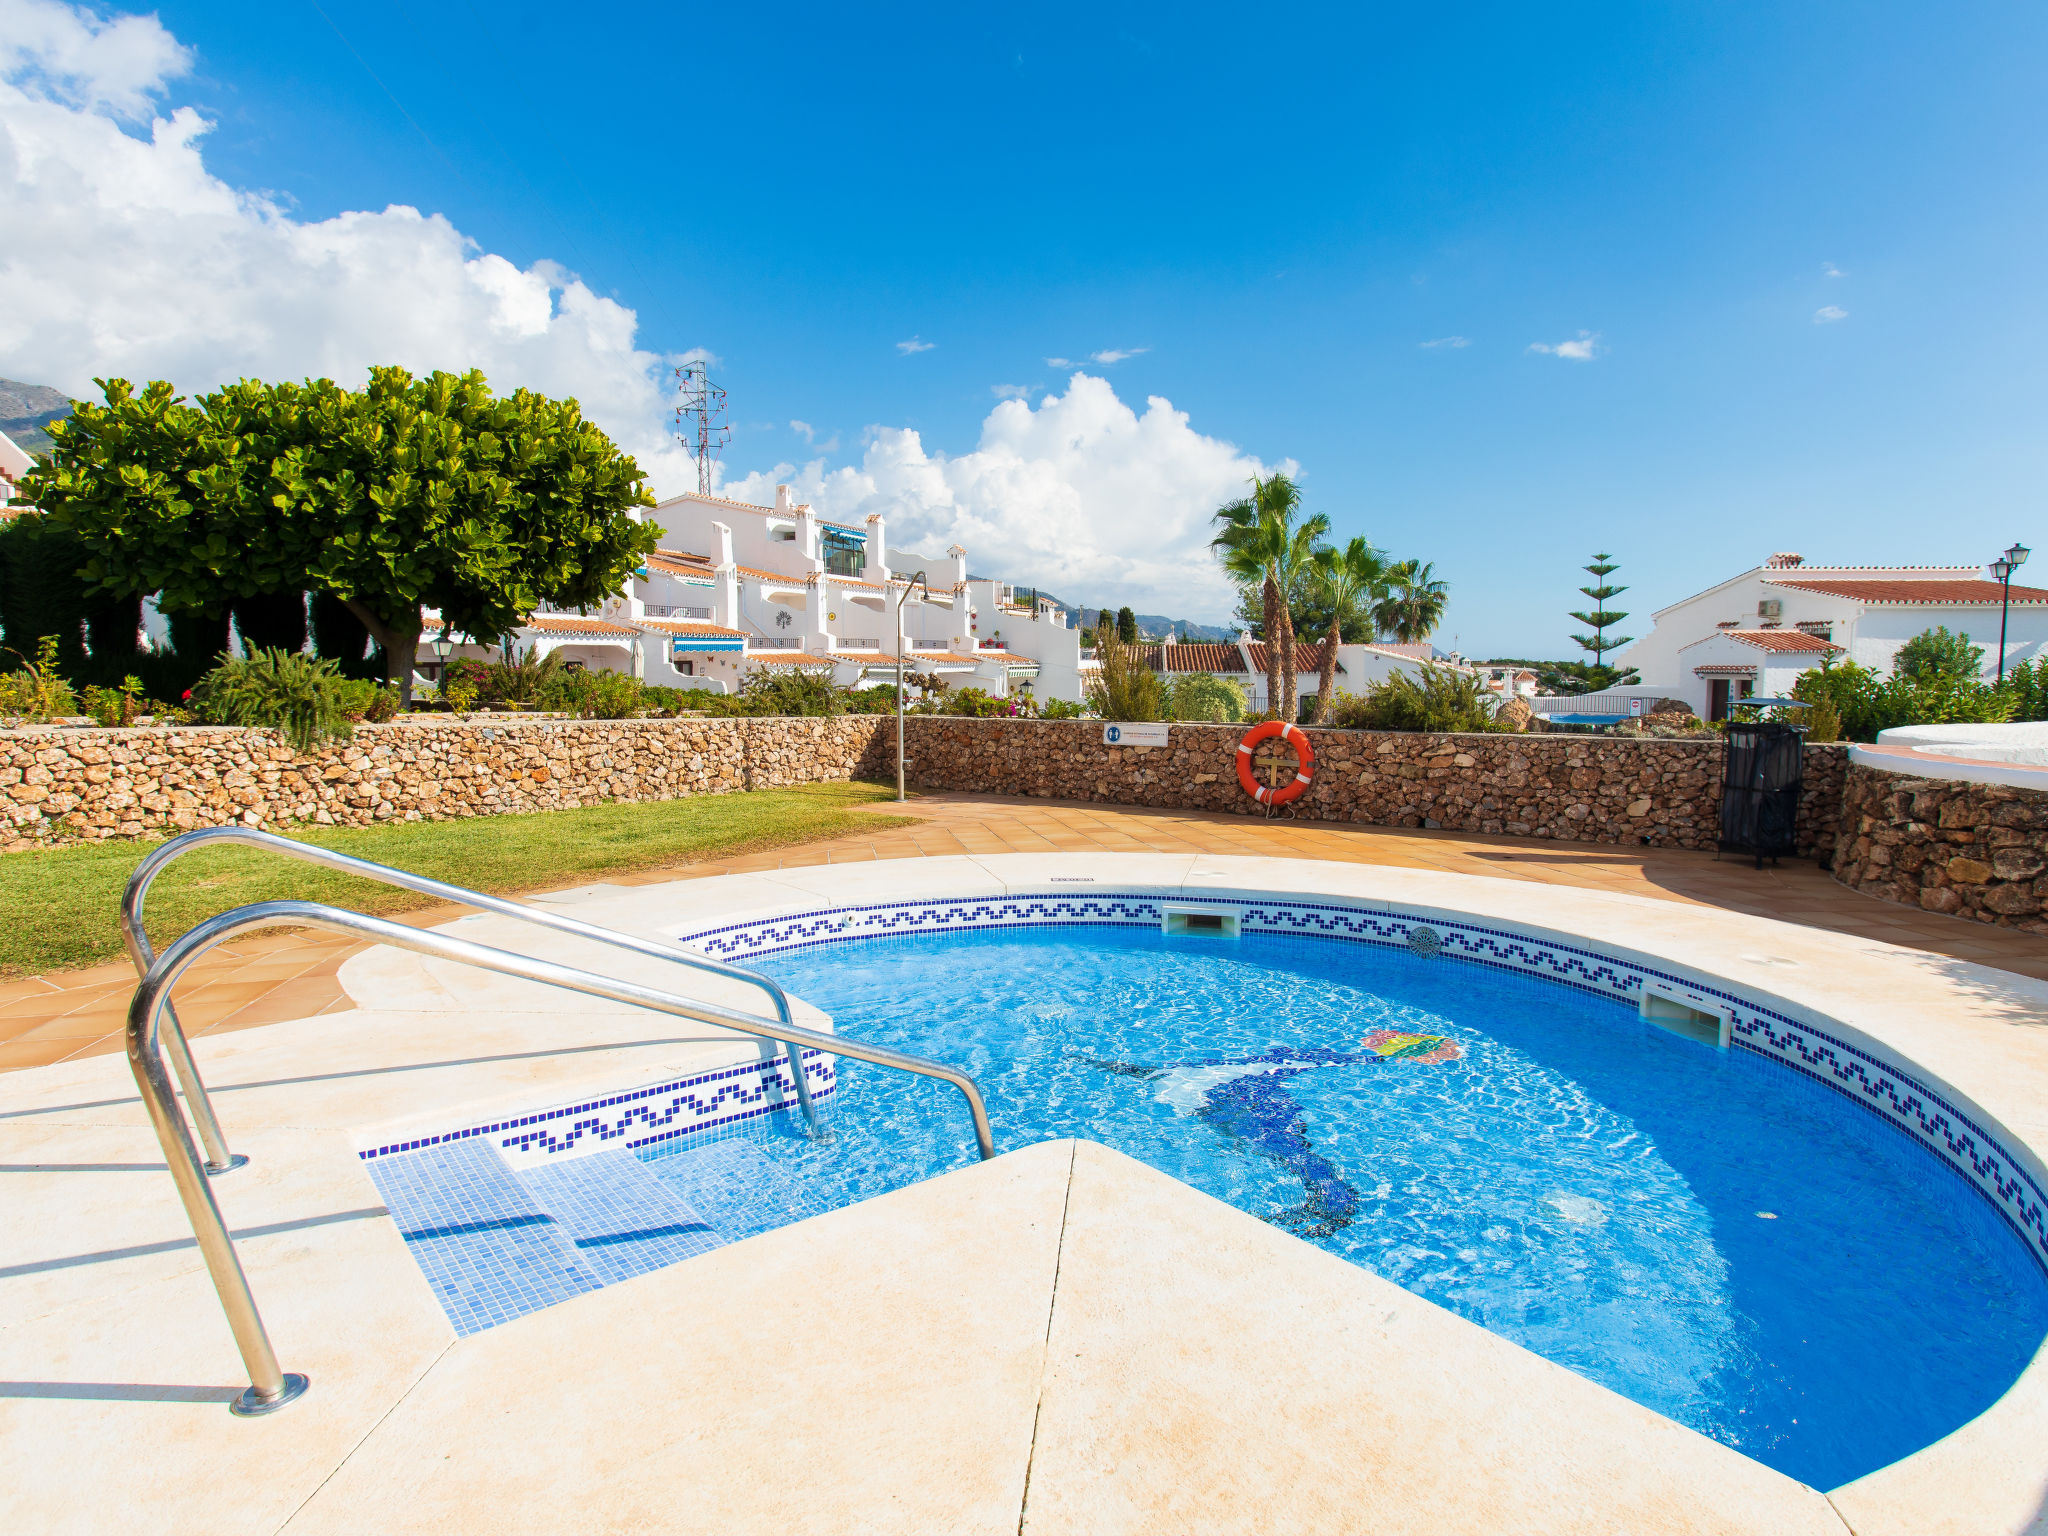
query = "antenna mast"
{"x": 700, "y": 417}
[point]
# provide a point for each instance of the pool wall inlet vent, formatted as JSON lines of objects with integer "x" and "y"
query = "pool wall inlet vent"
{"x": 1198, "y": 922}
{"x": 1683, "y": 1015}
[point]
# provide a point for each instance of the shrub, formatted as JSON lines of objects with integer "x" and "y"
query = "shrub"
{"x": 1440, "y": 699}
{"x": 301, "y": 696}
{"x": 1059, "y": 709}
{"x": 1125, "y": 688}
{"x": 527, "y": 680}
{"x": 791, "y": 690}
{"x": 1207, "y": 697}
{"x": 1936, "y": 656}
{"x": 1935, "y": 693}
{"x": 38, "y": 689}
{"x": 880, "y": 699}
{"x": 976, "y": 703}
{"x": 115, "y": 706}
{"x": 2026, "y": 684}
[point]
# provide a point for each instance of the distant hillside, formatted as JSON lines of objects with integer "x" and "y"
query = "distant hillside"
{"x": 26, "y": 409}
{"x": 1155, "y": 626}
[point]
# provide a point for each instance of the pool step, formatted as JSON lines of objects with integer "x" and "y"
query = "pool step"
{"x": 495, "y": 1244}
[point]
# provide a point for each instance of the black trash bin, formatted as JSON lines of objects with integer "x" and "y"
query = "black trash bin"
{"x": 1762, "y": 768}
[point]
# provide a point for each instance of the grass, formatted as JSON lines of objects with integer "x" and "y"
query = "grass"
{"x": 59, "y": 907}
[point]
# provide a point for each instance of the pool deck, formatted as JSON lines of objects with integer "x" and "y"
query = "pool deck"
{"x": 269, "y": 977}
{"x": 1060, "y": 1340}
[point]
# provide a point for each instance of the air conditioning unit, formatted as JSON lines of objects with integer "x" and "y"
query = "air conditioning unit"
{"x": 1771, "y": 608}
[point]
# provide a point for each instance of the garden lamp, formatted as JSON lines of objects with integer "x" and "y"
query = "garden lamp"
{"x": 2002, "y": 569}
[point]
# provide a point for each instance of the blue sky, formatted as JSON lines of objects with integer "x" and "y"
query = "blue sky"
{"x": 1272, "y": 215}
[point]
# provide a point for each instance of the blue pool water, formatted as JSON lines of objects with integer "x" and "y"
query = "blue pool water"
{"x": 1707, "y": 1232}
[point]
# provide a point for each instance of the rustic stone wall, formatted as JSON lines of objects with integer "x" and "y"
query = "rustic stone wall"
{"x": 61, "y": 785}
{"x": 1601, "y": 789}
{"x": 1977, "y": 851}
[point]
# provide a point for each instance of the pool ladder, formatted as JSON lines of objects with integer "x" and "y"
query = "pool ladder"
{"x": 154, "y": 1033}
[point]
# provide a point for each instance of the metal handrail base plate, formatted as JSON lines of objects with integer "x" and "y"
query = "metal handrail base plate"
{"x": 253, "y": 1405}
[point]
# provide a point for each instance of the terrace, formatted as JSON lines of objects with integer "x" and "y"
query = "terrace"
{"x": 1060, "y": 1339}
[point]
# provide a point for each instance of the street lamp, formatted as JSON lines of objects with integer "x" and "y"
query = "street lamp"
{"x": 442, "y": 646}
{"x": 2002, "y": 568}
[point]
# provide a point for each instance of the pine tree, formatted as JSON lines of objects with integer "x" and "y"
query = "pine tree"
{"x": 1127, "y": 626}
{"x": 1601, "y": 618}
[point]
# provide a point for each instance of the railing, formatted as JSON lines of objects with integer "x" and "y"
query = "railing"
{"x": 270, "y": 1388}
{"x": 218, "y": 1159}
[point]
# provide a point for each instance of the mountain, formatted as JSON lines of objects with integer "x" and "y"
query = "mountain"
{"x": 26, "y": 409}
{"x": 1153, "y": 626}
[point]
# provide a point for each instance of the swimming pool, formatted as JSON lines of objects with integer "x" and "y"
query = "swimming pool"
{"x": 1705, "y": 1231}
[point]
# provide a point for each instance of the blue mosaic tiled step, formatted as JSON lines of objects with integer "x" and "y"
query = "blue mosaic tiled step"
{"x": 488, "y": 1249}
{"x": 621, "y": 1220}
{"x": 739, "y": 1189}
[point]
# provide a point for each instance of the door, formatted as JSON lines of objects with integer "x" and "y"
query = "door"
{"x": 1717, "y": 698}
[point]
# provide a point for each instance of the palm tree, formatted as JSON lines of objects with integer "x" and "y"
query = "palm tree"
{"x": 1414, "y": 603}
{"x": 1352, "y": 580}
{"x": 1260, "y": 542}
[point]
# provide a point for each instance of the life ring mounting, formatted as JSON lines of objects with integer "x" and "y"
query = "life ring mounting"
{"x": 1304, "y": 772}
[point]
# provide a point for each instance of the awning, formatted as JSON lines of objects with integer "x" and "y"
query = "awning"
{"x": 699, "y": 645}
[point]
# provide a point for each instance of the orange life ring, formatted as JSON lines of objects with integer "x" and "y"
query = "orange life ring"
{"x": 1296, "y": 738}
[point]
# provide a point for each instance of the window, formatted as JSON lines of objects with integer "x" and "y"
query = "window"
{"x": 1820, "y": 629}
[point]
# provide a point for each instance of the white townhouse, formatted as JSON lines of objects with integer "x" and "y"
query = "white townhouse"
{"x": 1753, "y": 634}
{"x": 736, "y": 586}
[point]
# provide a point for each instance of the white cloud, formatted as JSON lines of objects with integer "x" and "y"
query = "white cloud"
{"x": 1829, "y": 269}
{"x": 1828, "y": 314}
{"x": 1079, "y": 494}
{"x": 914, "y": 345}
{"x": 124, "y": 256}
{"x": 1111, "y": 355}
{"x": 75, "y": 56}
{"x": 1451, "y": 341}
{"x": 1582, "y": 348}
{"x": 1014, "y": 391}
{"x": 1059, "y": 362}
{"x": 809, "y": 434}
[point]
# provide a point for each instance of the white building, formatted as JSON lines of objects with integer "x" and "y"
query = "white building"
{"x": 736, "y": 586}
{"x": 1359, "y": 667}
{"x": 15, "y": 461}
{"x": 1753, "y": 634}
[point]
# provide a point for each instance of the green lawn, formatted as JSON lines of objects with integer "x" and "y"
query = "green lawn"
{"x": 59, "y": 908}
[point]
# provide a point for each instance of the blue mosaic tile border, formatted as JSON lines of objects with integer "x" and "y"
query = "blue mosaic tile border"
{"x": 1901, "y": 1099}
{"x": 644, "y": 1117}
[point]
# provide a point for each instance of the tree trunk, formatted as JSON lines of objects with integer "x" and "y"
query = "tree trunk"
{"x": 1292, "y": 707}
{"x": 400, "y": 638}
{"x": 1272, "y": 596}
{"x": 1327, "y": 681}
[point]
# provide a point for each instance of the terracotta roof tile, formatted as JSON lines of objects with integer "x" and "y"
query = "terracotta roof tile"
{"x": 1958, "y": 593}
{"x": 1777, "y": 640}
{"x": 690, "y": 627}
{"x": 575, "y": 624}
{"x": 1307, "y": 658}
{"x": 789, "y": 658}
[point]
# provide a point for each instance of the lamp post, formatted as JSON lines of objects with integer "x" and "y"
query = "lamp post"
{"x": 2002, "y": 568}
{"x": 442, "y": 646}
{"x": 902, "y": 598}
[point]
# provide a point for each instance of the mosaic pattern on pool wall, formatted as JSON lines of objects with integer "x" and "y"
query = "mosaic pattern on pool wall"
{"x": 696, "y": 1106}
{"x": 1897, "y": 1096}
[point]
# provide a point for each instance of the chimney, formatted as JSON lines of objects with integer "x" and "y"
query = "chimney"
{"x": 782, "y": 501}
{"x": 725, "y": 608}
{"x": 1784, "y": 562}
{"x": 807, "y": 536}
{"x": 877, "y": 553}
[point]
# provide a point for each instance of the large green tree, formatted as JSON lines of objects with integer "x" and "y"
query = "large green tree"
{"x": 1601, "y": 618}
{"x": 406, "y": 494}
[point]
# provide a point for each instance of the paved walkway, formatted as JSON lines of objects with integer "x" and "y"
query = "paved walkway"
{"x": 271, "y": 977}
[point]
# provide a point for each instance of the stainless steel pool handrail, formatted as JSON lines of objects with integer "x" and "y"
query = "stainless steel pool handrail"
{"x": 269, "y": 1387}
{"x": 133, "y": 935}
